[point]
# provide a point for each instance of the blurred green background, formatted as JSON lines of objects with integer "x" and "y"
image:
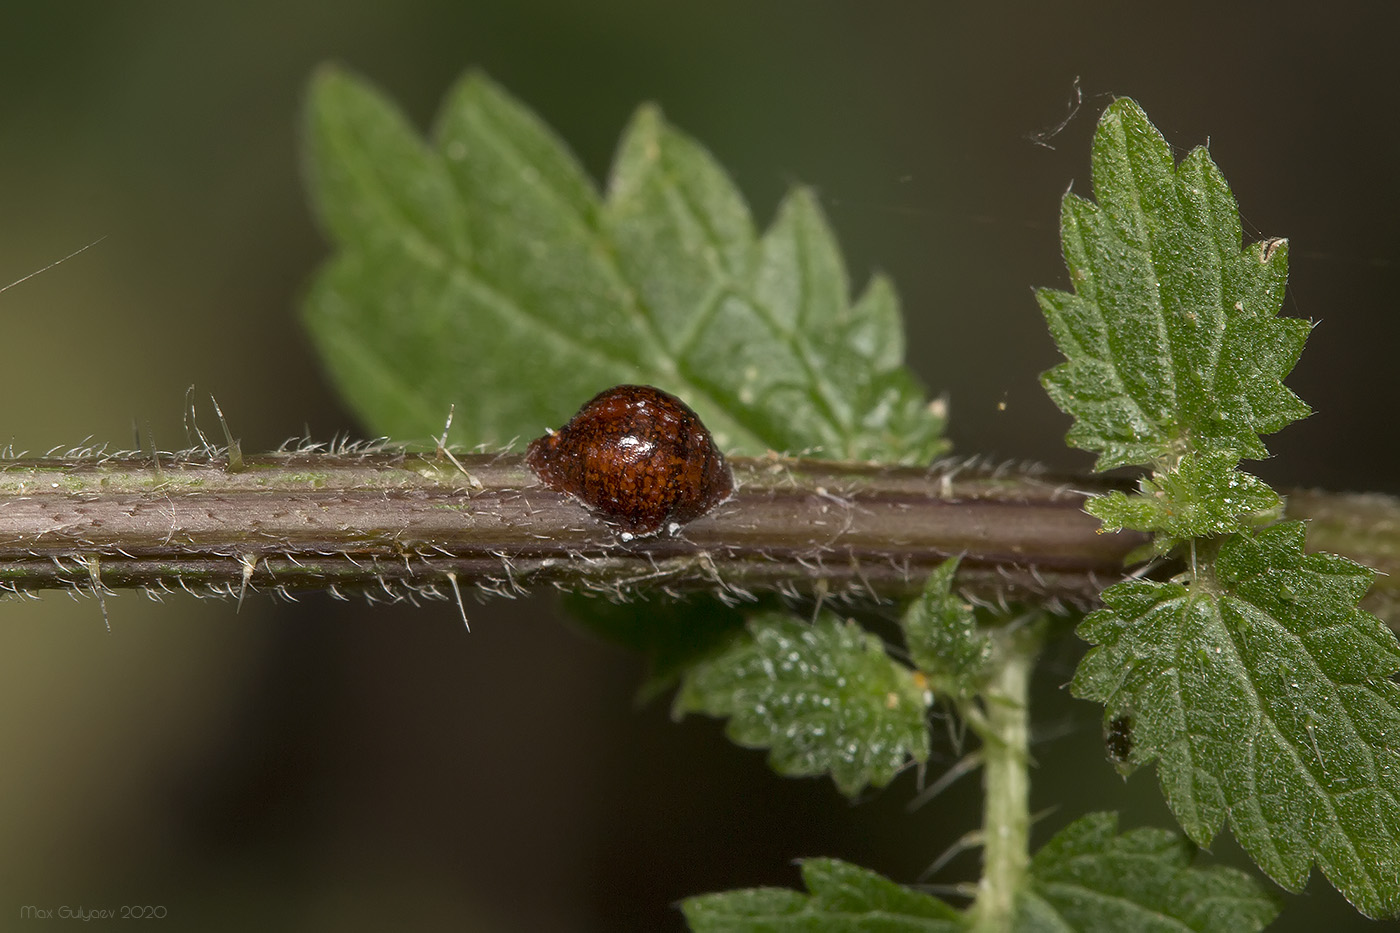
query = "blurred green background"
{"x": 326, "y": 765}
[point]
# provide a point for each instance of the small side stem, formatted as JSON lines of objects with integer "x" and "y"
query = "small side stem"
{"x": 1005, "y": 732}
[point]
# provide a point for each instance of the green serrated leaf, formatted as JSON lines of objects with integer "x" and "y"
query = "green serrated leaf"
{"x": 945, "y": 641}
{"x": 1203, "y": 496}
{"x": 844, "y": 898}
{"x": 1088, "y": 877}
{"x": 1266, "y": 697}
{"x": 484, "y": 266}
{"x": 824, "y": 698}
{"x": 1171, "y": 337}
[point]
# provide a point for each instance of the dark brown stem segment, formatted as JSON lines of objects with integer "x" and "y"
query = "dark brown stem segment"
{"x": 392, "y": 524}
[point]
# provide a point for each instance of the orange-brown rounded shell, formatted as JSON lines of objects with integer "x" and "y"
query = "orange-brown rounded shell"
{"x": 637, "y": 456}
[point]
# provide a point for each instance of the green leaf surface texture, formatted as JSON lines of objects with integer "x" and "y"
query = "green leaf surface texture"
{"x": 945, "y": 641}
{"x": 1203, "y": 496}
{"x": 824, "y": 698}
{"x": 843, "y": 898}
{"x": 1267, "y": 698}
{"x": 1171, "y": 338}
{"x": 1089, "y": 877}
{"x": 482, "y": 268}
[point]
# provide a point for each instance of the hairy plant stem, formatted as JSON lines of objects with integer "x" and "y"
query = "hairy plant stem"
{"x": 1004, "y": 728}
{"x": 390, "y": 524}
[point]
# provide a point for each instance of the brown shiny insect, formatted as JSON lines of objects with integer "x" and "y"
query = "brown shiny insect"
{"x": 637, "y": 456}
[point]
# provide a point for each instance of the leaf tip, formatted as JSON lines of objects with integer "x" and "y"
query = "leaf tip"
{"x": 1126, "y": 109}
{"x": 1269, "y": 250}
{"x": 639, "y": 148}
{"x": 330, "y": 81}
{"x": 328, "y": 72}
{"x": 475, "y": 86}
{"x": 648, "y": 120}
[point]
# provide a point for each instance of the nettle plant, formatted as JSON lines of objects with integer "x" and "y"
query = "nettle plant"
{"x": 1244, "y": 670}
{"x": 482, "y": 269}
